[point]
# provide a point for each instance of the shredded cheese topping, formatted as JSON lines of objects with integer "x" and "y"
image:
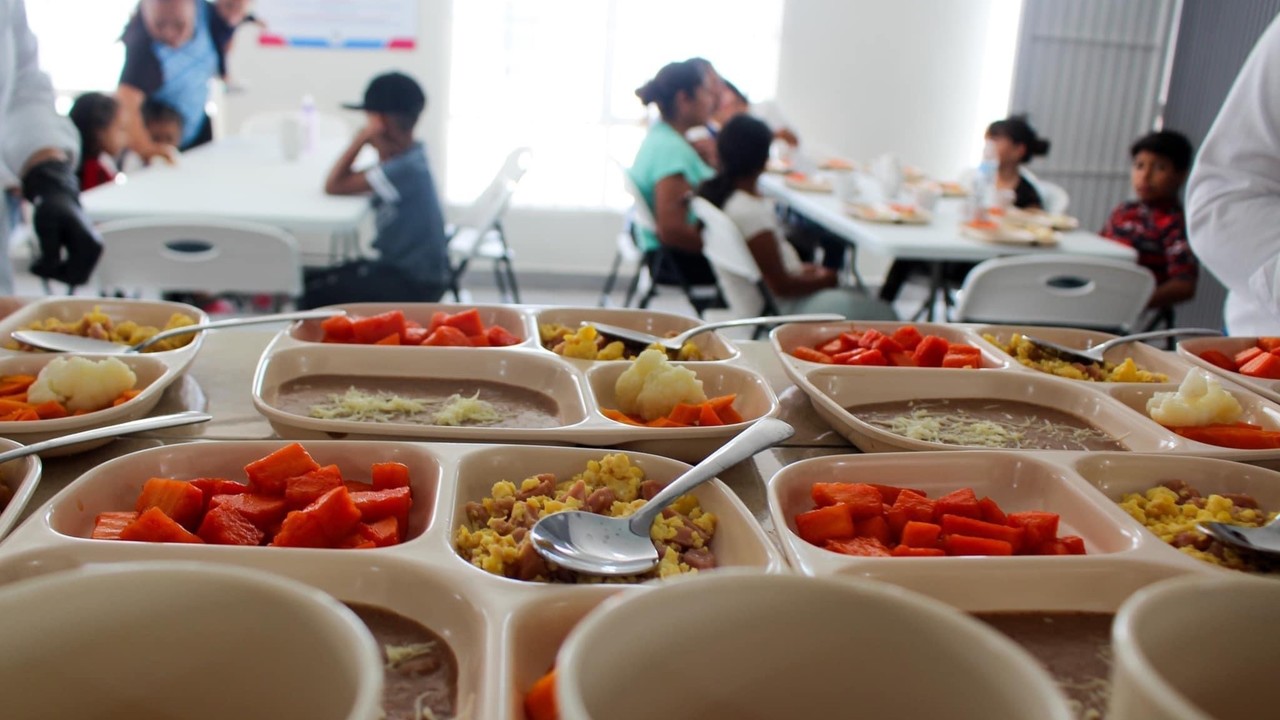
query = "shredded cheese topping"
{"x": 458, "y": 410}
{"x": 398, "y": 655}
{"x": 362, "y": 406}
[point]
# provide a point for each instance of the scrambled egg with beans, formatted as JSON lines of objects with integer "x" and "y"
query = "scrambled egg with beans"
{"x": 99, "y": 325}
{"x": 1172, "y": 511}
{"x": 588, "y": 343}
{"x": 495, "y": 536}
{"x": 1033, "y": 357}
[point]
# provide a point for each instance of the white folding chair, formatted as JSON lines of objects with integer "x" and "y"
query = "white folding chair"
{"x": 736, "y": 270}
{"x": 328, "y": 125}
{"x": 199, "y": 254}
{"x": 478, "y": 234}
{"x": 1053, "y": 197}
{"x": 1056, "y": 289}
{"x": 628, "y": 243}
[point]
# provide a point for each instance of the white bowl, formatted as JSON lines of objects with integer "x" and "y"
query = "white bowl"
{"x": 189, "y": 640}
{"x": 1196, "y": 648}
{"x": 749, "y": 646}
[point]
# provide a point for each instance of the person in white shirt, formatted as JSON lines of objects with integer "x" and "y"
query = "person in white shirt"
{"x": 39, "y": 147}
{"x": 1233, "y": 197}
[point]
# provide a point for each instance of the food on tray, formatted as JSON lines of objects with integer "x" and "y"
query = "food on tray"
{"x": 588, "y": 343}
{"x": 66, "y": 386}
{"x": 652, "y": 387}
{"x": 1203, "y": 411}
{"x": 835, "y": 163}
{"x": 420, "y": 672}
{"x": 1173, "y": 509}
{"x": 905, "y": 347}
{"x": 882, "y": 520}
{"x": 807, "y": 183}
{"x": 417, "y": 401}
{"x": 1033, "y": 357}
{"x": 289, "y": 501}
{"x": 716, "y": 411}
{"x": 495, "y": 537}
{"x": 1075, "y": 647}
{"x": 100, "y": 326}
{"x": 1260, "y": 361}
{"x": 540, "y": 702}
{"x": 985, "y": 422}
{"x": 461, "y": 329}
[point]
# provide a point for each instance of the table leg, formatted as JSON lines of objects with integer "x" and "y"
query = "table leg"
{"x": 937, "y": 287}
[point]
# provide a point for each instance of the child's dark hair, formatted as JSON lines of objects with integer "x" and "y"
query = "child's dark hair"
{"x": 91, "y": 113}
{"x": 1168, "y": 144}
{"x": 1019, "y": 132}
{"x": 742, "y": 97}
{"x": 158, "y": 111}
{"x": 743, "y": 145}
{"x": 673, "y": 79}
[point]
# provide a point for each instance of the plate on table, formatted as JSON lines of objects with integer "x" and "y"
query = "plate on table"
{"x": 1041, "y": 219}
{"x": 953, "y": 189}
{"x": 892, "y": 213}
{"x": 502, "y": 632}
{"x": 836, "y": 163}
{"x": 808, "y": 183}
{"x": 1006, "y": 234}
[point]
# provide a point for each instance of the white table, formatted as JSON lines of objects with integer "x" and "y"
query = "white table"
{"x": 241, "y": 177}
{"x": 938, "y": 242}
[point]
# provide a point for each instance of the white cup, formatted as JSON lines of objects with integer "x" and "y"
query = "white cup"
{"x": 926, "y": 195}
{"x": 199, "y": 641}
{"x": 1197, "y": 648}
{"x": 845, "y": 185}
{"x": 291, "y": 137}
{"x": 749, "y": 645}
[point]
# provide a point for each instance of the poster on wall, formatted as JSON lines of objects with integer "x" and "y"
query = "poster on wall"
{"x": 363, "y": 25}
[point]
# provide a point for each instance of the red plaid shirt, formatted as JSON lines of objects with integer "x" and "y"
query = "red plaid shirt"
{"x": 1159, "y": 234}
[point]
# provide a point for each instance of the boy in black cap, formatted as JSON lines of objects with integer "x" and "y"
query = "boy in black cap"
{"x": 412, "y": 262}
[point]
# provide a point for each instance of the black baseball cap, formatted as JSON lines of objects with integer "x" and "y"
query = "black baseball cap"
{"x": 392, "y": 92}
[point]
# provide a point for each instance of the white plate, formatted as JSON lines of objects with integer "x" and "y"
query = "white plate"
{"x": 1004, "y": 234}
{"x": 809, "y": 184}
{"x": 883, "y": 213}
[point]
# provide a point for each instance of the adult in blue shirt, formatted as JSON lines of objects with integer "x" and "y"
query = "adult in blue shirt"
{"x": 172, "y": 49}
{"x": 412, "y": 263}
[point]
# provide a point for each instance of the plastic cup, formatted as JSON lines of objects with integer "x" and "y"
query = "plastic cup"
{"x": 750, "y": 645}
{"x": 1195, "y": 648}
{"x": 291, "y": 138}
{"x": 198, "y": 641}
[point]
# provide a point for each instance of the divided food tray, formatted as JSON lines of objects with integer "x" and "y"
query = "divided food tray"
{"x": 580, "y": 388}
{"x": 1116, "y": 408}
{"x": 504, "y": 633}
{"x": 1191, "y": 349}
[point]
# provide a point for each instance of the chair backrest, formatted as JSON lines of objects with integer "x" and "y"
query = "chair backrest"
{"x": 200, "y": 254}
{"x": 269, "y": 123}
{"x": 1053, "y": 197}
{"x": 736, "y": 270}
{"x": 486, "y": 212}
{"x": 1056, "y": 289}
{"x": 641, "y": 213}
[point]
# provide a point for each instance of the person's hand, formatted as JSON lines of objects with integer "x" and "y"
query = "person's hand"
{"x": 786, "y": 136}
{"x": 69, "y": 245}
{"x": 168, "y": 153}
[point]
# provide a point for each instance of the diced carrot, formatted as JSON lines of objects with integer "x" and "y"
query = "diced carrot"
{"x": 875, "y": 527}
{"x": 1221, "y": 359}
{"x": 1242, "y": 437}
{"x": 223, "y": 525}
{"x": 619, "y": 416}
{"x": 833, "y": 346}
{"x": 353, "y": 486}
{"x": 887, "y": 346}
{"x": 965, "y": 545}
{"x": 685, "y": 413}
{"x": 908, "y": 551}
{"x": 826, "y": 523}
{"x": 355, "y": 541}
{"x": 861, "y": 356}
{"x": 862, "y": 547}
{"x": 920, "y": 534}
{"x": 889, "y": 493}
{"x": 960, "y": 502}
{"x": 51, "y": 409}
{"x": 178, "y": 499}
{"x": 991, "y": 511}
{"x": 437, "y": 319}
{"x": 1053, "y": 547}
{"x": 372, "y": 329}
{"x": 478, "y": 340}
{"x": 27, "y": 414}
{"x": 263, "y": 511}
{"x": 392, "y": 339}
{"x": 1270, "y": 344}
{"x": 811, "y": 355}
{"x": 125, "y": 397}
{"x": 268, "y": 475}
{"x": 154, "y": 526}
{"x": 540, "y": 702}
{"x": 908, "y": 336}
{"x": 414, "y": 336}
{"x": 708, "y": 417}
{"x": 917, "y": 506}
{"x": 1244, "y": 356}
{"x": 665, "y": 423}
{"x": 861, "y": 500}
{"x": 383, "y": 533}
{"x": 325, "y": 522}
{"x": 108, "y": 525}
{"x": 447, "y": 336}
{"x": 969, "y": 527}
{"x": 217, "y": 486}
{"x": 1041, "y": 527}
{"x": 14, "y": 384}
{"x": 962, "y": 349}
{"x": 930, "y": 352}
{"x": 303, "y": 490}
{"x": 468, "y": 321}
{"x": 387, "y": 475}
{"x": 337, "y": 329}
{"x": 869, "y": 337}
{"x": 379, "y": 504}
{"x": 901, "y": 359}
{"x": 961, "y": 360}
{"x": 501, "y": 337}
{"x": 9, "y": 406}
{"x": 728, "y": 415}
{"x": 1265, "y": 365}
{"x": 1073, "y": 543}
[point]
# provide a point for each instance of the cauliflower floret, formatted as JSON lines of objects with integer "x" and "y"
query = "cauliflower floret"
{"x": 81, "y": 384}
{"x": 652, "y": 386}
{"x": 1200, "y": 400}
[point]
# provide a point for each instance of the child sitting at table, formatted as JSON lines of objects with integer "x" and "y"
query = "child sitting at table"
{"x": 1153, "y": 223}
{"x": 412, "y": 263}
{"x": 743, "y": 148}
{"x": 162, "y": 121}
{"x": 102, "y": 138}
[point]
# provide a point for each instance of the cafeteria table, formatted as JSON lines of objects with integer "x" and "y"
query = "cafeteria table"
{"x": 937, "y": 242}
{"x": 244, "y": 178}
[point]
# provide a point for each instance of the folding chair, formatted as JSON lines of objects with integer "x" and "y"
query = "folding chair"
{"x": 478, "y": 235}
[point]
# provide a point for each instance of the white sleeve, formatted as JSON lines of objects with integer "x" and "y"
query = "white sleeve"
{"x": 1233, "y": 198}
{"x": 752, "y": 215}
{"x": 28, "y": 117}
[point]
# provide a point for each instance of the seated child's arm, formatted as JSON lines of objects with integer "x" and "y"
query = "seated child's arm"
{"x": 1181, "y": 267}
{"x": 764, "y": 248}
{"x": 343, "y": 178}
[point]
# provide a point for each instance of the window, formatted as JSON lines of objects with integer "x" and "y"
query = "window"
{"x": 84, "y": 54}
{"x": 559, "y": 76}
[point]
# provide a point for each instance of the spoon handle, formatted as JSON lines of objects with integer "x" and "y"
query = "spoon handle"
{"x": 1157, "y": 334}
{"x": 762, "y": 320}
{"x": 237, "y": 322}
{"x": 764, "y": 433}
{"x": 108, "y": 431}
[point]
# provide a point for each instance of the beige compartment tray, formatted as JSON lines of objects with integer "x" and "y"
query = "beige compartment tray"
{"x": 580, "y": 389}
{"x": 504, "y": 633}
{"x": 1191, "y": 349}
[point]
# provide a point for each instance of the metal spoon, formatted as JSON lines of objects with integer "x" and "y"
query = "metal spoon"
{"x": 1265, "y": 539}
{"x": 1093, "y": 355}
{"x": 62, "y": 342}
{"x": 676, "y": 342}
{"x": 601, "y": 545}
{"x": 108, "y": 431}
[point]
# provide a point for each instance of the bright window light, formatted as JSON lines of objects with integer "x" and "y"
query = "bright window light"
{"x": 79, "y": 42}
{"x": 999, "y": 55}
{"x": 559, "y": 76}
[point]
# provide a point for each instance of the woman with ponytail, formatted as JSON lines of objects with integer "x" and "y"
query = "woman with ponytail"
{"x": 1016, "y": 142}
